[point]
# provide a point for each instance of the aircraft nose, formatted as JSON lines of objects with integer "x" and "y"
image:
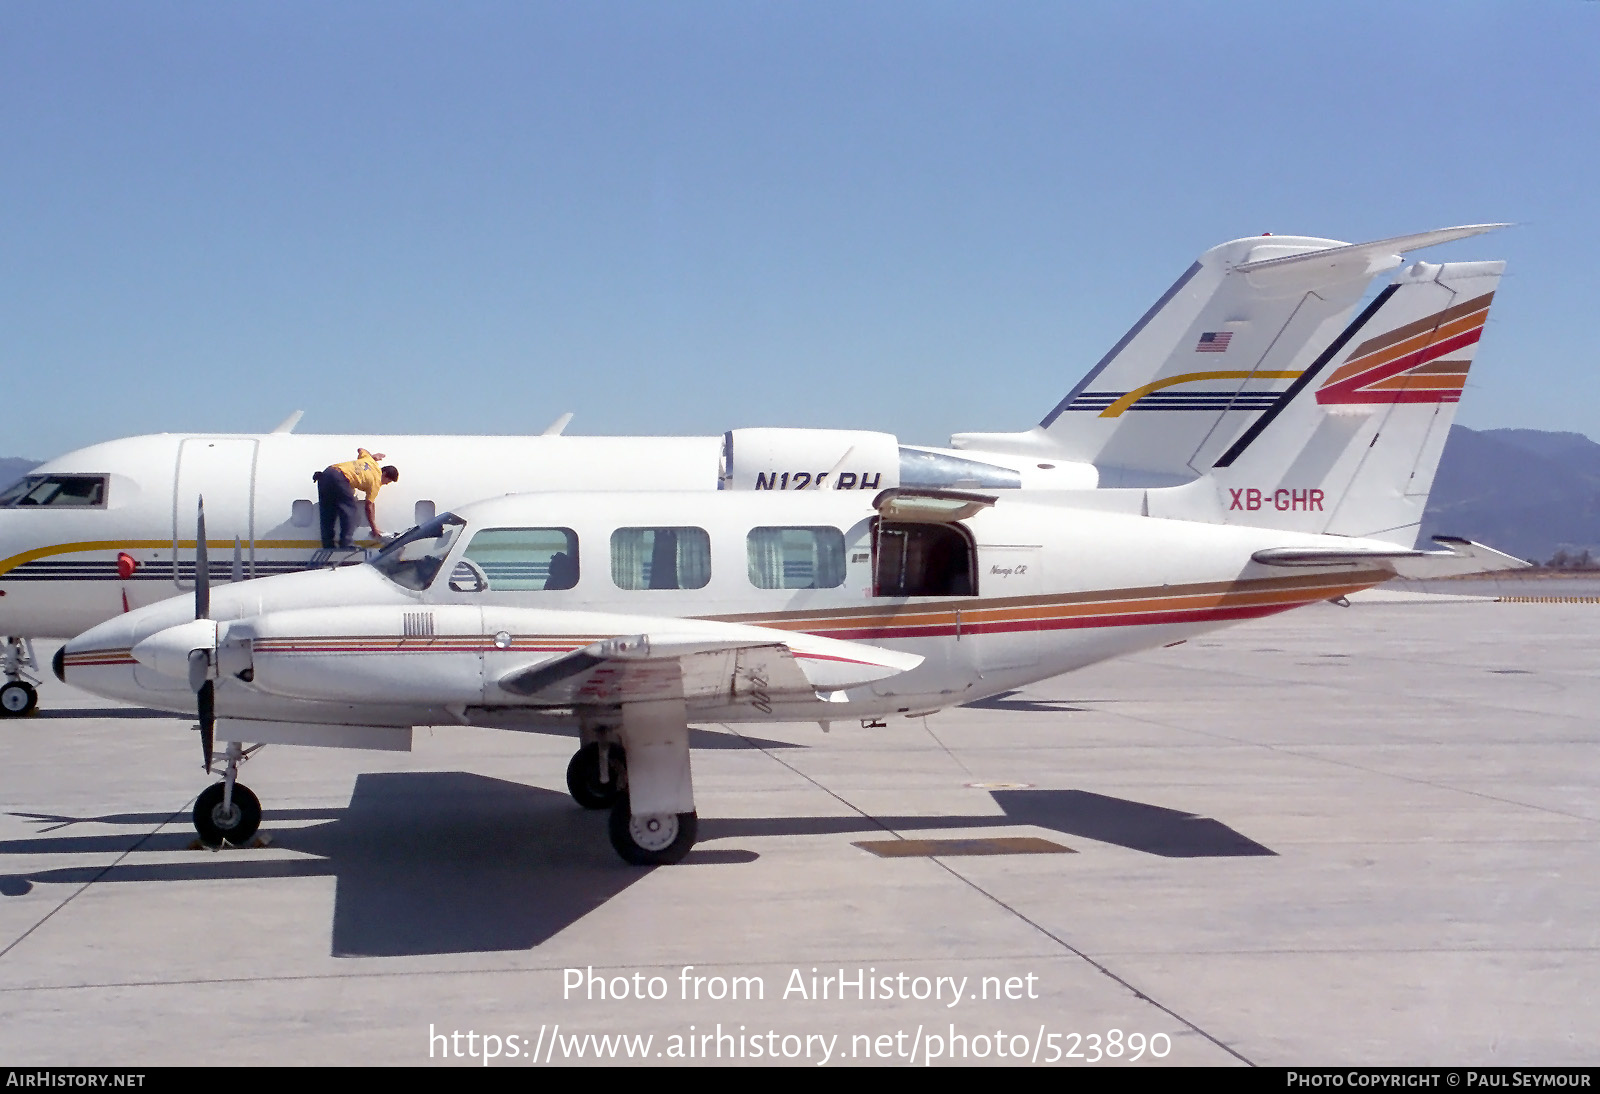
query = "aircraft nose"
{"x": 58, "y": 664}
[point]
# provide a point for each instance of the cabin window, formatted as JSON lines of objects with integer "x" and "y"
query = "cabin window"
{"x": 796, "y": 558}
{"x": 915, "y": 559}
{"x": 518, "y": 560}
{"x": 58, "y": 491}
{"x": 660, "y": 558}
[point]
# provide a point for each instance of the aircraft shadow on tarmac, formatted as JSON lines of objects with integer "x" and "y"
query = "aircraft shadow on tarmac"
{"x": 105, "y": 712}
{"x": 1003, "y": 701}
{"x": 452, "y": 862}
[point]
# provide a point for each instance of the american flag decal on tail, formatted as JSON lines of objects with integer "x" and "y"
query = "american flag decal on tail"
{"x": 1214, "y": 342}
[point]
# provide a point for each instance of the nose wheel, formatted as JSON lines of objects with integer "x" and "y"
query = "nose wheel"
{"x": 588, "y": 786}
{"x": 228, "y": 810}
{"x": 18, "y": 698}
{"x": 235, "y": 821}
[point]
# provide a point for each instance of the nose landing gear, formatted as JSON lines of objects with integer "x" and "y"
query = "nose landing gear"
{"x": 228, "y": 810}
{"x": 18, "y": 695}
{"x": 17, "y": 698}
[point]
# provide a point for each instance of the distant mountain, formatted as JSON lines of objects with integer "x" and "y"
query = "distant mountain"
{"x": 1522, "y": 491}
{"x": 13, "y": 468}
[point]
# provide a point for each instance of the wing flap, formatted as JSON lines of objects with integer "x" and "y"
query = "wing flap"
{"x": 700, "y": 669}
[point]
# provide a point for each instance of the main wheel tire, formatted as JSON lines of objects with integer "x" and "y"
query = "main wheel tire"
{"x": 18, "y": 698}
{"x": 215, "y": 826}
{"x": 657, "y": 840}
{"x": 583, "y": 776}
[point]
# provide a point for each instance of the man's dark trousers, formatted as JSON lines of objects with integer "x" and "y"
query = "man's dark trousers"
{"x": 336, "y": 498}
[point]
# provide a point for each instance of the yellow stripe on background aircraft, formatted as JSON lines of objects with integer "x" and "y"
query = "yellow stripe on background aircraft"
{"x": 632, "y": 614}
{"x": 108, "y": 528}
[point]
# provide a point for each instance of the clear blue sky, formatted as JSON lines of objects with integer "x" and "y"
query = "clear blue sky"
{"x": 684, "y": 217}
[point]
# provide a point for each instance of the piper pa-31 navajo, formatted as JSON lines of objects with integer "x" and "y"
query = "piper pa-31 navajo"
{"x": 631, "y": 615}
{"x": 109, "y": 528}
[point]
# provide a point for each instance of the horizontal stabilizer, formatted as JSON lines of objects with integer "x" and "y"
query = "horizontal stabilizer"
{"x": 1350, "y": 252}
{"x": 1460, "y": 556}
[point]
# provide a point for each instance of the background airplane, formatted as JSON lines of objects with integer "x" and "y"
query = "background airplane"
{"x": 107, "y": 529}
{"x": 633, "y": 614}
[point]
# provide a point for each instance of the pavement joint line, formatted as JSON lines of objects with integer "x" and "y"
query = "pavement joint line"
{"x": 1293, "y": 750}
{"x": 929, "y": 729}
{"x": 1057, "y": 939}
{"x": 112, "y": 865}
{"x": 1370, "y": 691}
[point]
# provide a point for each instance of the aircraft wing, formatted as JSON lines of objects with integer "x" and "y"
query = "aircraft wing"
{"x": 705, "y": 670}
{"x": 1460, "y": 556}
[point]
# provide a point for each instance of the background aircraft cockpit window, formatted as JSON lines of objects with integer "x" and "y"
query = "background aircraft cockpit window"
{"x": 660, "y": 558}
{"x": 520, "y": 559}
{"x": 60, "y": 491}
{"x": 414, "y": 559}
{"x": 796, "y": 558}
{"x": 915, "y": 559}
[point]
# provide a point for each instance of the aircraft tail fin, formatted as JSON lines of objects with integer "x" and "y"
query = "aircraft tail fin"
{"x": 1351, "y": 447}
{"x": 1210, "y": 357}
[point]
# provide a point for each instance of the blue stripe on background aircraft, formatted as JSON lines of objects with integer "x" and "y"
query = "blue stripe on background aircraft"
{"x": 107, "y": 529}
{"x": 630, "y": 614}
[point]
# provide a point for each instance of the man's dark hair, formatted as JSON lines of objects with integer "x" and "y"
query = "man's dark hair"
{"x": 391, "y": 473}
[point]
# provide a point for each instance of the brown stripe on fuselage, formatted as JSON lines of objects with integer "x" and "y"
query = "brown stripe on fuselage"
{"x": 978, "y": 609}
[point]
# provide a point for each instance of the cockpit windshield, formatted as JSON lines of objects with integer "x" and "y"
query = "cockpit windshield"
{"x": 414, "y": 559}
{"x": 61, "y": 491}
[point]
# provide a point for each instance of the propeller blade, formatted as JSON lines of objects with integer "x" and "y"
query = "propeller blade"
{"x": 207, "y": 702}
{"x": 202, "y": 567}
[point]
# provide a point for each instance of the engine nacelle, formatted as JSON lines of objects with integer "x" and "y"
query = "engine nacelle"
{"x": 809, "y": 459}
{"x": 844, "y": 459}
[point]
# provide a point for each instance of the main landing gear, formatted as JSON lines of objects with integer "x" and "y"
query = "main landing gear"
{"x": 639, "y": 769}
{"x": 228, "y": 810}
{"x": 19, "y": 695}
{"x": 598, "y": 774}
{"x": 655, "y": 839}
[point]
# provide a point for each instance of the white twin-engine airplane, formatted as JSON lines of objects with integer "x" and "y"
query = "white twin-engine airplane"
{"x": 109, "y": 528}
{"x": 633, "y": 614}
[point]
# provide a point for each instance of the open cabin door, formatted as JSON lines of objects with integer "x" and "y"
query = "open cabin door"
{"x": 919, "y": 546}
{"x": 223, "y": 471}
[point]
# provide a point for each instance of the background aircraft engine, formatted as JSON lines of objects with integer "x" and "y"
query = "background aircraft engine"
{"x": 842, "y": 459}
{"x": 809, "y": 459}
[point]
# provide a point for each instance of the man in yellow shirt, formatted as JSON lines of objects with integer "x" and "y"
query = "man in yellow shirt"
{"x": 336, "y": 497}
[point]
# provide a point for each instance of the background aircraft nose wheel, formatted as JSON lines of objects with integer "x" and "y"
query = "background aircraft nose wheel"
{"x": 18, "y": 697}
{"x": 657, "y": 840}
{"x": 583, "y": 776}
{"x": 236, "y": 825}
